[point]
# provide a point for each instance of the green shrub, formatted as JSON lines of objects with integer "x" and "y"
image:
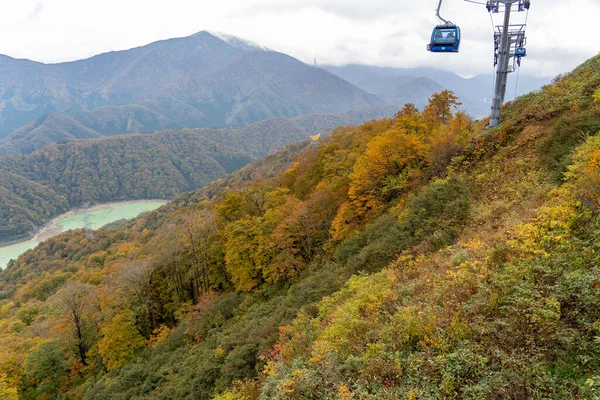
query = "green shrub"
{"x": 568, "y": 133}
{"x": 438, "y": 213}
{"x": 434, "y": 216}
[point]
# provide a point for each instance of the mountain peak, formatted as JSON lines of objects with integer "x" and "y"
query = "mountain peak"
{"x": 236, "y": 42}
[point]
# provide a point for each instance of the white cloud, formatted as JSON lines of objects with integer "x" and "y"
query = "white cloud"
{"x": 37, "y": 9}
{"x": 382, "y": 32}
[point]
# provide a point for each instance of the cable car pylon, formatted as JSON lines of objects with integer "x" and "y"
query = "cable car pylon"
{"x": 509, "y": 43}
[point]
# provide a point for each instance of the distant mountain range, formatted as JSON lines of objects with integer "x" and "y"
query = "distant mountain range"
{"x": 399, "y": 86}
{"x": 204, "y": 80}
{"x": 196, "y": 81}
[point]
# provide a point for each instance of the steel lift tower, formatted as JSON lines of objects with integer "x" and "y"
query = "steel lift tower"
{"x": 509, "y": 44}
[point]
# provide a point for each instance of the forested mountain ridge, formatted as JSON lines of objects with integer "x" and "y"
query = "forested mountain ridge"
{"x": 51, "y": 128}
{"x": 152, "y": 166}
{"x": 415, "y": 257}
{"x": 25, "y": 204}
{"x": 192, "y": 82}
{"x": 159, "y": 165}
{"x": 110, "y": 121}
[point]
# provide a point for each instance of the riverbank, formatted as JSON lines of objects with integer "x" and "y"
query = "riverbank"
{"x": 42, "y": 233}
{"x": 99, "y": 216}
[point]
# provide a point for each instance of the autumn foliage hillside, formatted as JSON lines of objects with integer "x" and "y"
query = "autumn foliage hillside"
{"x": 418, "y": 257}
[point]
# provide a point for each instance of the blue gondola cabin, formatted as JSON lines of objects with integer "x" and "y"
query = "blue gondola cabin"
{"x": 445, "y": 39}
{"x": 520, "y": 52}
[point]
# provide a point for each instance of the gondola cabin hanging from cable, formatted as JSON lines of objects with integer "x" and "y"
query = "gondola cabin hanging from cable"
{"x": 445, "y": 38}
{"x": 520, "y": 52}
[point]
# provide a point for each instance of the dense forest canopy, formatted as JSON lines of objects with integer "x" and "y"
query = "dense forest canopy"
{"x": 156, "y": 166}
{"x": 420, "y": 256}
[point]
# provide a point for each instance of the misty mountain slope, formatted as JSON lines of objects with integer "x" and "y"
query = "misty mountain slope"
{"x": 412, "y": 85}
{"x": 321, "y": 123}
{"x": 475, "y": 93}
{"x": 415, "y": 91}
{"x": 111, "y": 120}
{"x": 258, "y": 86}
{"x": 370, "y": 78}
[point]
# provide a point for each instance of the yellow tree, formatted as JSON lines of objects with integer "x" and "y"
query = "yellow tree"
{"x": 72, "y": 302}
{"x": 306, "y": 225}
{"x": 584, "y": 174}
{"x": 120, "y": 341}
{"x": 408, "y": 110}
{"x": 440, "y": 108}
{"x": 447, "y": 141}
{"x": 391, "y": 165}
{"x": 245, "y": 256}
{"x": 7, "y": 392}
{"x": 412, "y": 121}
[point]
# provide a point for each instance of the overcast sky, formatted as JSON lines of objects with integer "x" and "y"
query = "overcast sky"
{"x": 561, "y": 33}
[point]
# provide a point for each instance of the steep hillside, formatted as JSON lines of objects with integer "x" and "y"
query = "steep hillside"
{"x": 26, "y": 205}
{"x": 197, "y": 81}
{"x": 414, "y": 257}
{"x": 416, "y": 91}
{"x": 258, "y": 86}
{"x": 112, "y": 120}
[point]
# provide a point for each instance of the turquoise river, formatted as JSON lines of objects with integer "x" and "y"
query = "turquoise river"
{"x": 99, "y": 216}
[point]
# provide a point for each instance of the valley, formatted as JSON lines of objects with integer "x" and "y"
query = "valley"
{"x": 204, "y": 218}
{"x": 419, "y": 240}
